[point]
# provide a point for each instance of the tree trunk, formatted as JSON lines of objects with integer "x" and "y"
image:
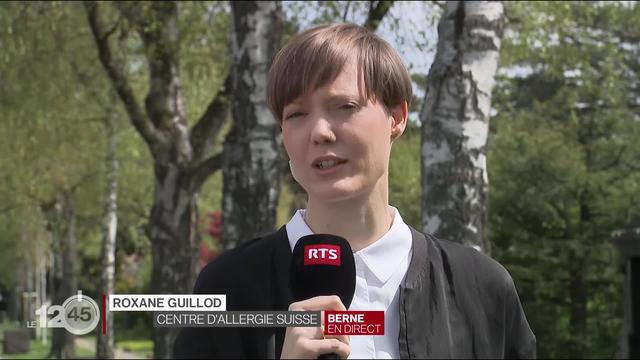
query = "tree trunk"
{"x": 181, "y": 156}
{"x": 579, "y": 266}
{"x": 174, "y": 242}
{"x": 62, "y": 342}
{"x": 29, "y": 304}
{"x": 104, "y": 343}
{"x": 40, "y": 275}
{"x": 252, "y": 155}
{"x": 455, "y": 122}
{"x": 578, "y": 315}
{"x": 13, "y": 306}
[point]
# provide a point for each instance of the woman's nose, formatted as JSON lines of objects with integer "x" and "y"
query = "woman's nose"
{"x": 322, "y": 132}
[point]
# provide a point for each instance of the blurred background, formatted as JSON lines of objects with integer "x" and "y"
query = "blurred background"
{"x": 136, "y": 146}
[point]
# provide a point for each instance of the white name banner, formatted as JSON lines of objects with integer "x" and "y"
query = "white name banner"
{"x": 155, "y": 302}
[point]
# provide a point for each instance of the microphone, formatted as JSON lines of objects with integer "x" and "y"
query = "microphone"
{"x": 323, "y": 264}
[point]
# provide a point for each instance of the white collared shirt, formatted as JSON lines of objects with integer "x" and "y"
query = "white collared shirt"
{"x": 380, "y": 268}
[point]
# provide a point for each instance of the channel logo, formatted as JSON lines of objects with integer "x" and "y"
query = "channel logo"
{"x": 79, "y": 315}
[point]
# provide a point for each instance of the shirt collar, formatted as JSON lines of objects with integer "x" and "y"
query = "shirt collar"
{"x": 380, "y": 258}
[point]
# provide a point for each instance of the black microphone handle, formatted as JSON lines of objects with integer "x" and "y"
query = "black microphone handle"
{"x": 314, "y": 279}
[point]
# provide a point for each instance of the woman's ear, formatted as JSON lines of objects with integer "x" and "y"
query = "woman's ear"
{"x": 399, "y": 116}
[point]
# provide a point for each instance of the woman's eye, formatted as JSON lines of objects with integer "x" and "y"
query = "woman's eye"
{"x": 349, "y": 106}
{"x": 294, "y": 115}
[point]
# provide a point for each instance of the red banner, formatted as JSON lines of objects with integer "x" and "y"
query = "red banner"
{"x": 354, "y": 322}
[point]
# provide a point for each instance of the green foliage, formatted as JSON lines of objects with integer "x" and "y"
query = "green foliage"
{"x": 405, "y": 186}
{"x": 562, "y": 168}
{"x": 204, "y": 53}
{"x": 51, "y": 126}
{"x": 54, "y": 96}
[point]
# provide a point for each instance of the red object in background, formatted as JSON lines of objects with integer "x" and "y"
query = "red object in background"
{"x": 104, "y": 314}
{"x": 213, "y": 224}
{"x": 206, "y": 255}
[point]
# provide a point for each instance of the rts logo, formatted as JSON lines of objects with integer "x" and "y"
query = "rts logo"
{"x": 322, "y": 254}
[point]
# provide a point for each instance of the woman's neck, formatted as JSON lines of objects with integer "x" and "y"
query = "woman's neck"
{"x": 360, "y": 221}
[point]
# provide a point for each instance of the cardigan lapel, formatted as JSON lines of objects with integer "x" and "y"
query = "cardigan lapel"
{"x": 425, "y": 327}
{"x": 283, "y": 296}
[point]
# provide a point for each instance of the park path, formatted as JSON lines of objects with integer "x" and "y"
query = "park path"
{"x": 90, "y": 344}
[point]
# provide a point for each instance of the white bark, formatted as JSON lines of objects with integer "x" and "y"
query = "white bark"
{"x": 252, "y": 158}
{"x": 42, "y": 289}
{"x": 104, "y": 346}
{"x": 455, "y": 122}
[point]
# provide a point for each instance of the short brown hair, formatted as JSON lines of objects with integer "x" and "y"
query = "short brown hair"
{"x": 316, "y": 56}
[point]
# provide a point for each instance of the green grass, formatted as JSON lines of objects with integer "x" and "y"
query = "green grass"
{"x": 135, "y": 339}
{"x": 7, "y": 325}
{"x": 141, "y": 347}
{"x": 137, "y": 342}
{"x": 37, "y": 350}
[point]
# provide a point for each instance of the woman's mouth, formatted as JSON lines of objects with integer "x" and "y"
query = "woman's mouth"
{"x": 326, "y": 164}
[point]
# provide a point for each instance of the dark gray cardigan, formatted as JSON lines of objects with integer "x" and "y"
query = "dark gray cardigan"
{"x": 454, "y": 303}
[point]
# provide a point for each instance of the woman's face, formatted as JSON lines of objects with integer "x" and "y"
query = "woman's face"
{"x": 339, "y": 142}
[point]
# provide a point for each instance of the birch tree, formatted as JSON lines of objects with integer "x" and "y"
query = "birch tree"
{"x": 455, "y": 122}
{"x": 104, "y": 345}
{"x": 252, "y": 156}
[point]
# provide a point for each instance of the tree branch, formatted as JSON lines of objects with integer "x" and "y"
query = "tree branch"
{"x": 205, "y": 131}
{"x": 346, "y": 12}
{"x": 377, "y": 10}
{"x": 136, "y": 114}
{"x": 162, "y": 43}
{"x": 203, "y": 170}
{"x": 440, "y": 4}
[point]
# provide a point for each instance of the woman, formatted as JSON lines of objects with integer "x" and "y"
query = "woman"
{"x": 341, "y": 96}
